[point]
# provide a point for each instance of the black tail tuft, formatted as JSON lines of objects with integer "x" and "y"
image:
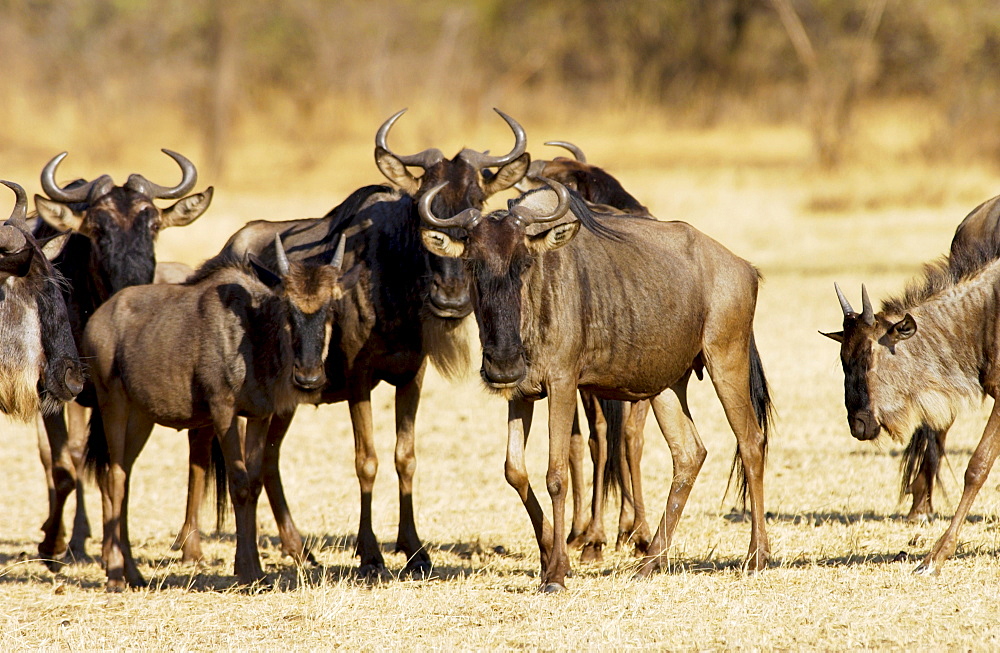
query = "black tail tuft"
{"x": 614, "y": 415}
{"x": 97, "y": 457}
{"x": 217, "y": 470}
{"x": 923, "y": 452}
{"x": 760, "y": 395}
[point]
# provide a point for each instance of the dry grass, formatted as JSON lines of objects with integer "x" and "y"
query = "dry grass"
{"x": 838, "y": 579}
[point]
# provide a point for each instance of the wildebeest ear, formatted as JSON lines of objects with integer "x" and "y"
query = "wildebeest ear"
{"x": 554, "y": 238}
{"x": 347, "y": 281}
{"x": 58, "y": 215}
{"x": 508, "y": 175}
{"x": 903, "y": 329}
{"x": 396, "y": 172}
{"x": 187, "y": 209}
{"x": 16, "y": 264}
{"x": 440, "y": 243}
{"x": 837, "y": 335}
{"x": 266, "y": 276}
{"x": 53, "y": 247}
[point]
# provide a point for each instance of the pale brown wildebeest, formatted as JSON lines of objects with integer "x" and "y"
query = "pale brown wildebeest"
{"x": 39, "y": 365}
{"x": 112, "y": 233}
{"x": 921, "y": 358}
{"x": 558, "y": 310}
{"x": 406, "y": 308}
{"x": 234, "y": 340}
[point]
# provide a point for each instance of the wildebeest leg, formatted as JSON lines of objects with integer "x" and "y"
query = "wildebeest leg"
{"x": 77, "y": 422}
{"x": 593, "y": 539}
{"x": 638, "y": 527}
{"x": 519, "y": 414}
{"x": 975, "y": 475}
{"x": 418, "y": 562}
{"x": 576, "y": 451}
{"x": 687, "y": 454}
{"x": 729, "y": 366}
{"x": 562, "y": 407}
{"x": 291, "y": 540}
{"x": 199, "y": 459}
{"x": 922, "y": 487}
{"x": 63, "y": 475}
{"x": 366, "y": 464}
{"x": 243, "y": 467}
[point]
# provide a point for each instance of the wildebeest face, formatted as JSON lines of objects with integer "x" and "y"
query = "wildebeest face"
{"x": 497, "y": 251}
{"x": 469, "y": 184}
{"x": 876, "y": 384}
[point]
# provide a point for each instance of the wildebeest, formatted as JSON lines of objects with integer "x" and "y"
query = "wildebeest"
{"x": 918, "y": 360}
{"x": 234, "y": 340}
{"x": 612, "y": 423}
{"x": 113, "y": 229}
{"x": 406, "y": 308}
{"x": 623, "y": 308}
{"x": 39, "y": 365}
{"x": 921, "y": 461}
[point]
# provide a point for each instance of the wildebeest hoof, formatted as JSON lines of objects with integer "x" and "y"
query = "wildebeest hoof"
{"x": 592, "y": 553}
{"x": 418, "y": 569}
{"x": 926, "y": 568}
{"x": 115, "y": 587}
{"x": 373, "y": 572}
{"x": 552, "y": 588}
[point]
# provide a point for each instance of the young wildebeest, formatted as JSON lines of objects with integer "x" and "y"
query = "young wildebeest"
{"x": 623, "y": 308}
{"x": 612, "y": 423}
{"x": 234, "y": 340}
{"x": 39, "y": 366}
{"x": 113, "y": 229}
{"x": 921, "y": 462}
{"x": 406, "y": 308}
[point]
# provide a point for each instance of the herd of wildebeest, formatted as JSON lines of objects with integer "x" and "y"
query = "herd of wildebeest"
{"x": 575, "y": 287}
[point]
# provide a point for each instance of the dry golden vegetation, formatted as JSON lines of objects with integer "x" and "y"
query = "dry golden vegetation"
{"x": 843, "y": 554}
{"x": 726, "y": 151}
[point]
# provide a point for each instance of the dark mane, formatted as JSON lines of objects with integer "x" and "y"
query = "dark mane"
{"x": 224, "y": 261}
{"x": 341, "y": 215}
{"x": 945, "y": 273}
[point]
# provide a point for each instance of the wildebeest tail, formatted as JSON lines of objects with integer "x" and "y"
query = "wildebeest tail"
{"x": 217, "y": 470}
{"x": 614, "y": 477}
{"x": 97, "y": 457}
{"x": 922, "y": 451}
{"x": 760, "y": 396}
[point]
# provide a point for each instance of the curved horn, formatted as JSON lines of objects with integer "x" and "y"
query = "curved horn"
{"x": 424, "y": 159}
{"x": 338, "y": 257}
{"x": 527, "y": 216}
{"x": 844, "y": 304}
{"x": 520, "y": 145}
{"x": 577, "y": 152}
{"x": 867, "y": 314}
{"x": 20, "y": 213}
{"x": 467, "y": 219}
{"x": 282, "y": 259}
{"x": 189, "y": 177}
{"x": 51, "y": 188}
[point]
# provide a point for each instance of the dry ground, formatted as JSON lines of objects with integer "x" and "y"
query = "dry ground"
{"x": 842, "y": 553}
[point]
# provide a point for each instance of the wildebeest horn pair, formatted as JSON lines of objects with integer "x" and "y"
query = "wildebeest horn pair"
{"x": 282, "y": 258}
{"x": 428, "y": 158}
{"x": 469, "y": 218}
{"x": 867, "y": 314}
{"x": 102, "y": 184}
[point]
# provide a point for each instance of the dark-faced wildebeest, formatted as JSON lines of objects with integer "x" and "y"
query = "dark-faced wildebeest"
{"x": 407, "y": 306}
{"x": 623, "y": 308}
{"x": 39, "y": 365}
{"x": 234, "y": 340}
{"x": 113, "y": 230}
{"x": 923, "y": 356}
{"x": 612, "y": 423}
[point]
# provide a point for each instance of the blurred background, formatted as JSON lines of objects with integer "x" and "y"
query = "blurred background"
{"x": 883, "y": 103}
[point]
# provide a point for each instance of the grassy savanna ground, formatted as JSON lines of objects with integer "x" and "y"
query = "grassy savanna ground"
{"x": 842, "y": 552}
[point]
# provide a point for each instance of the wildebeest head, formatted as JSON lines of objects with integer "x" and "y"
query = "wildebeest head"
{"x": 309, "y": 293}
{"x": 592, "y": 183}
{"x": 469, "y": 184}
{"x": 878, "y": 371}
{"x": 497, "y": 250}
{"x": 121, "y": 222}
{"x": 33, "y": 307}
